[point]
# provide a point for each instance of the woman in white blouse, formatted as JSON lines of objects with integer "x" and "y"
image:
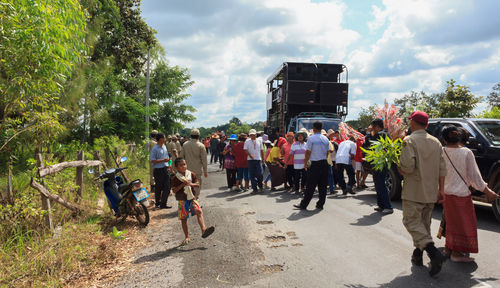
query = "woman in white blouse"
{"x": 462, "y": 172}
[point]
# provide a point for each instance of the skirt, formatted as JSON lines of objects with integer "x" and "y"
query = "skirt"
{"x": 461, "y": 225}
{"x": 277, "y": 175}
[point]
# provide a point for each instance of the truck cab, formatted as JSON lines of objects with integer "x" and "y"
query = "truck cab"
{"x": 306, "y": 120}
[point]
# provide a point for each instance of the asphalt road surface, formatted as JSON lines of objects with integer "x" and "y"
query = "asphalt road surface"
{"x": 261, "y": 241}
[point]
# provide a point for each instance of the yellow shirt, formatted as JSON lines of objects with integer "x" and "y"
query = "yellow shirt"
{"x": 274, "y": 155}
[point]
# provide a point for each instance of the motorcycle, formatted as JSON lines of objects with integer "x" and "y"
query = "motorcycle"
{"x": 126, "y": 199}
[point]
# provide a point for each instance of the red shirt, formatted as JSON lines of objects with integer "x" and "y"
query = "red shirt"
{"x": 240, "y": 156}
{"x": 359, "y": 154}
{"x": 286, "y": 151}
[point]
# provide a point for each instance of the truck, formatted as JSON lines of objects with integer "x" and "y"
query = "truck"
{"x": 299, "y": 94}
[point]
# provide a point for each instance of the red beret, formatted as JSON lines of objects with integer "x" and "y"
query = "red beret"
{"x": 420, "y": 117}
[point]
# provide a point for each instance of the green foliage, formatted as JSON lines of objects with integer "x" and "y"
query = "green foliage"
{"x": 41, "y": 42}
{"x": 234, "y": 126}
{"x": 21, "y": 217}
{"x": 418, "y": 101}
{"x": 383, "y": 153}
{"x": 494, "y": 97}
{"x": 364, "y": 119}
{"x": 457, "y": 101}
{"x": 493, "y": 113}
{"x": 117, "y": 235}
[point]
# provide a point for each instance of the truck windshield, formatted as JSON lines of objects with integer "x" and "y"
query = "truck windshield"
{"x": 490, "y": 129}
{"x": 327, "y": 123}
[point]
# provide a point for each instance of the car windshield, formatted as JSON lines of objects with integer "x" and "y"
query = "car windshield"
{"x": 327, "y": 123}
{"x": 490, "y": 129}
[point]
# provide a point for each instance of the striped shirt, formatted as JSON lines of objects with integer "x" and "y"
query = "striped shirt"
{"x": 298, "y": 150}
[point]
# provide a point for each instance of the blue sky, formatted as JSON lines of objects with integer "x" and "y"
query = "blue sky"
{"x": 391, "y": 47}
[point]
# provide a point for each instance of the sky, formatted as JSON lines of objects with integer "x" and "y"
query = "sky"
{"x": 390, "y": 47}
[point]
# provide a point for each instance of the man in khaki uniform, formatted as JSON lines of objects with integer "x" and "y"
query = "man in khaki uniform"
{"x": 195, "y": 154}
{"x": 423, "y": 167}
{"x": 151, "y": 144}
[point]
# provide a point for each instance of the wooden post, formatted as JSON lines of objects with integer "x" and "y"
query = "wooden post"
{"x": 45, "y": 200}
{"x": 9, "y": 187}
{"x": 79, "y": 175}
{"x": 107, "y": 157}
{"x": 97, "y": 169}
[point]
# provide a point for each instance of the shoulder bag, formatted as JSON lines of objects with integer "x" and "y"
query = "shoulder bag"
{"x": 471, "y": 189}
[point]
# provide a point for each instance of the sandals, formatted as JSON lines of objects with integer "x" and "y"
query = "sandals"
{"x": 461, "y": 258}
{"x": 185, "y": 242}
{"x": 208, "y": 232}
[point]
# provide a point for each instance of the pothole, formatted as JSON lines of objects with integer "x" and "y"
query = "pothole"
{"x": 264, "y": 222}
{"x": 297, "y": 244}
{"x": 278, "y": 246}
{"x": 276, "y": 238}
{"x": 250, "y": 213}
{"x": 268, "y": 269}
{"x": 291, "y": 234}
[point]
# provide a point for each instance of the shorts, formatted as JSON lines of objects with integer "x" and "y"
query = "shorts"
{"x": 358, "y": 166}
{"x": 186, "y": 206}
{"x": 242, "y": 172}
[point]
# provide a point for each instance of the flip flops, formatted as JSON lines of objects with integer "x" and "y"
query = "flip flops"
{"x": 185, "y": 242}
{"x": 208, "y": 232}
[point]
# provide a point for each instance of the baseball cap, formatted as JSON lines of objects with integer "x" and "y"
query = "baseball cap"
{"x": 195, "y": 132}
{"x": 420, "y": 117}
{"x": 252, "y": 132}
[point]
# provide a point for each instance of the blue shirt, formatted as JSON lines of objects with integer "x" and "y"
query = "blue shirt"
{"x": 158, "y": 153}
{"x": 318, "y": 145}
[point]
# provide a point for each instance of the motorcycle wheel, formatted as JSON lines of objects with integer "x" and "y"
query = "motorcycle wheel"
{"x": 141, "y": 213}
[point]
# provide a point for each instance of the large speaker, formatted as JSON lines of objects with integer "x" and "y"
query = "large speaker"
{"x": 302, "y": 92}
{"x": 333, "y": 93}
{"x": 302, "y": 71}
{"x": 329, "y": 72}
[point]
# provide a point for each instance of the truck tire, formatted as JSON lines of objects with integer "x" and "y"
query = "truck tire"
{"x": 496, "y": 204}
{"x": 393, "y": 183}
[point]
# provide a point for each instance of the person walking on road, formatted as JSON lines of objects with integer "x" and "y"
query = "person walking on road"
{"x": 343, "y": 161}
{"x": 152, "y": 143}
{"x": 229, "y": 162}
{"x": 424, "y": 170}
{"x": 317, "y": 147}
{"x": 289, "y": 171}
{"x": 383, "y": 200}
{"x": 159, "y": 158}
{"x": 241, "y": 163}
{"x": 214, "y": 155}
{"x": 195, "y": 156}
{"x": 255, "y": 153}
{"x": 183, "y": 183}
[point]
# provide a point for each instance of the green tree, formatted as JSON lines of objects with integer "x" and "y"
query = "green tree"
{"x": 167, "y": 94}
{"x": 494, "y": 97}
{"x": 418, "y": 101}
{"x": 365, "y": 118}
{"x": 493, "y": 113}
{"x": 41, "y": 43}
{"x": 457, "y": 101}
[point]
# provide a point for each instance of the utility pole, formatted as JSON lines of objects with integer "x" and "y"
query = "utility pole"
{"x": 147, "y": 97}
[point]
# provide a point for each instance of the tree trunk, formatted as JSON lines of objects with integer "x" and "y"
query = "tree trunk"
{"x": 10, "y": 199}
{"x": 43, "y": 191}
{"x": 42, "y": 172}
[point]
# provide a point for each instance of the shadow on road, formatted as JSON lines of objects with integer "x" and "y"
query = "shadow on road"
{"x": 163, "y": 254}
{"x": 452, "y": 275}
{"x": 303, "y": 214}
{"x": 165, "y": 215}
{"x": 368, "y": 220}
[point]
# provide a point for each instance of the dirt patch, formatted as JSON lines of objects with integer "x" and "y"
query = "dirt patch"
{"x": 276, "y": 238}
{"x": 291, "y": 234}
{"x": 297, "y": 244}
{"x": 264, "y": 222}
{"x": 250, "y": 213}
{"x": 269, "y": 269}
{"x": 278, "y": 246}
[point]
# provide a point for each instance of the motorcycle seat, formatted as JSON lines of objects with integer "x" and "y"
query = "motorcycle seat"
{"x": 122, "y": 188}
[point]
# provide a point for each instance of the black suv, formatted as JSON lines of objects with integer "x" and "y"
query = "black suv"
{"x": 484, "y": 142}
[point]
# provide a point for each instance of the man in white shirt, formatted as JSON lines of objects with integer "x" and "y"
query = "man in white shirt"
{"x": 255, "y": 151}
{"x": 345, "y": 154}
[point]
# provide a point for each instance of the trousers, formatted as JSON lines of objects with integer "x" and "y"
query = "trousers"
{"x": 317, "y": 175}
{"x": 162, "y": 186}
{"x": 417, "y": 221}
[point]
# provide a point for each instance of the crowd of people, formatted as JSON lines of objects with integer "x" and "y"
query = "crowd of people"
{"x": 309, "y": 161}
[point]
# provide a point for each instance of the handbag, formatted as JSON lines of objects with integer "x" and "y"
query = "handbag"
{"x": 471, "y": 189}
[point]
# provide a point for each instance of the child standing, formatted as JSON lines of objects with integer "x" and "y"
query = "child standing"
{"x": 182, "y": 186}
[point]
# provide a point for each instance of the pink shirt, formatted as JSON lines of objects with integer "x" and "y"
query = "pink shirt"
{"x": 286, "y": 151}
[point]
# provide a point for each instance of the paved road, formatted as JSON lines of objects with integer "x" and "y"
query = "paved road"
{"x": 261, "y": 241}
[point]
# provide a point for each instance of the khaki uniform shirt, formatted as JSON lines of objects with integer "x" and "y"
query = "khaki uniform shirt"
{"x": 423, "y": 164}
{"x": 195, "y": 154}
{"x": 171, "y": 147}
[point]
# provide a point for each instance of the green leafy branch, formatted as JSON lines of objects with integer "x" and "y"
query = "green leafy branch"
{"x": 383, "y": 153}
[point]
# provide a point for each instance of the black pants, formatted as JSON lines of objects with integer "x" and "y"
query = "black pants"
{"x": 350, "y": 175}
{"x": 214, "y": 156}
{"x": 231, "y": 177}
{"x": 290, "y": 175}
{"x": 162, "y": 187}
{"x": 300, "y": 178}
{"x": 222, "y": 157}
{"x": 317, "y": 175}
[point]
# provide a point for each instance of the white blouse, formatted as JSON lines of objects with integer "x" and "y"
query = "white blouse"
{"x": 465, "y": 163}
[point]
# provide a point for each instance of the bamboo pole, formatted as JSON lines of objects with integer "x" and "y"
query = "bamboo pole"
{"x": 54, "y": 197}
{"x": 44, "y": 171}
{"x": 45, "y": 199}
